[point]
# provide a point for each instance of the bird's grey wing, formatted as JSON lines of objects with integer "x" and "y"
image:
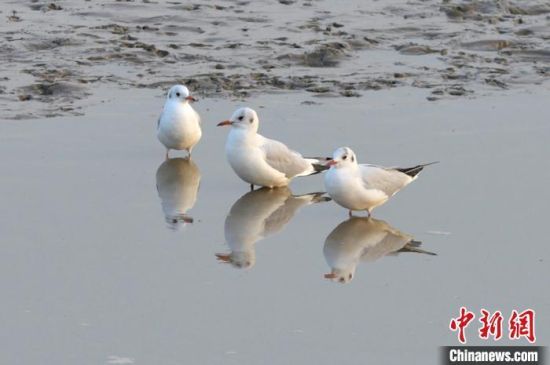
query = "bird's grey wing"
{"x": 393, "y": 241}
{"x": 283, "y": 159}
{"x": 258, "y": 204}
{"x": 387, "y": 180}
{"x": 276, "y": 221}
{"x": 279, "y": 218}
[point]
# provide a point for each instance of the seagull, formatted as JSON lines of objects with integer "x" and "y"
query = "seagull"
{"x": 178, "y": 127}
{"x": 364, "y": 187}
{"x": 362, "y": 239}
{"x": 262, "y": 161}
{"x": 257, "y": 215}
{"x": 178, "y": 181}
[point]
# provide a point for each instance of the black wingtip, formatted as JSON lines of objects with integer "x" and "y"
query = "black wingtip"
{"x": 415, "y": 170}
{"x": 414, "y": 246}
{"x": 320, "y": 164}
{"x": 319, "y": 168}
{"x": 318, "y": 197}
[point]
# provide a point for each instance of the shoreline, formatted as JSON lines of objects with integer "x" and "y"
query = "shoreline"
{"x": 239, "y": 50}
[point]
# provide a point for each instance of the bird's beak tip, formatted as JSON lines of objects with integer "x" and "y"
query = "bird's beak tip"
{"x": 223, "y": 257}
{"x": 191, "y": 98}
{"x": 224, "y": 123}
{"x": 331, "y": 163}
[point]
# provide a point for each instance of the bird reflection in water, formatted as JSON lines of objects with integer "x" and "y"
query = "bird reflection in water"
{"x": 178, "y": 181}
{"x": 257, "y": 215}
{"x": 361, "y": 239}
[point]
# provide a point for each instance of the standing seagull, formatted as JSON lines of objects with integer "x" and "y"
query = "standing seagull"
{"x": 364, "y": 187}
{"x": 178, "y": 127}
{"x": 263, "y": 161}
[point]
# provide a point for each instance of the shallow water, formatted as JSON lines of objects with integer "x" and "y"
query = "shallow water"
{"x": 92, "y": 272}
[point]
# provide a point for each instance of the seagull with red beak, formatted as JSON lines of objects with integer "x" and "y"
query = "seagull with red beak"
{"x": 262, "y": 161}
{"x": 362, "y": 186}
{"x": 178, "y": 127}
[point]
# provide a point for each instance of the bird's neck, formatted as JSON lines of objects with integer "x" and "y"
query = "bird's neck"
{"x": 242, "y": 135}
{"x": 347, "y": 169}
{"x": 176, "y": 104}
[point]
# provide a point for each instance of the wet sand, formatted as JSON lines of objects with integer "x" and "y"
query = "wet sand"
{"x": 93, "y": 273}
{"x": 56, "y": 54}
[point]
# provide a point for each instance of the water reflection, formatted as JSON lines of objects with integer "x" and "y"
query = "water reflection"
{"x": 178, "y": 181}
{"x": 362, "y": 239}
{"x": 257, "y": 215}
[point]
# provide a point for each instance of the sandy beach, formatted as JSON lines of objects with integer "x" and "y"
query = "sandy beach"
{"x": 56, "y": 54}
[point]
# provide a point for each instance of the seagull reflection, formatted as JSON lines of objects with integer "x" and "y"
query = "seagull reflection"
{"x": 363, "y": 239}
{"x": 257, "y": 215}
{"x": 178, "y": 182}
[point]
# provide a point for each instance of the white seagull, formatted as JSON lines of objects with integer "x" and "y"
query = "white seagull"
{"x": 178, "y": 182}
{"x": 178, "y": 127}
{"x": 257, "y": 215}
{"x": 263, "y": 161}
{"x": 361, "y": 239}
{"x": 364, "y": 187}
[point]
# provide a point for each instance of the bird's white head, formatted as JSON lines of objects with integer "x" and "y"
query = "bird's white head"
{"x": 179, "y": 93}
{"x": 243, "y": 118}
{"x": 343, "y": 276}
{"x": 342, "y": 157}
{"x": 239, "y": 260}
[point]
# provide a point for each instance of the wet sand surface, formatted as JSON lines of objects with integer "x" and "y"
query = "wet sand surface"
{"x": 55, "y": 54}
{"x": 94, "y": 269}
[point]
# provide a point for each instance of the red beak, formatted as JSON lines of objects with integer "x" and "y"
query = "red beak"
{"x": 331, "y": 163}
{"x": 223, "y": 257}
{"x": 225, "y": 122}
{"x": 330, "y": 276}
{"x": 190, "y": 98}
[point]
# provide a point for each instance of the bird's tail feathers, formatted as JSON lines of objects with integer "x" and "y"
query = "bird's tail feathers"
{"x": 316, "y": 197}
{"x": 318, "y": 163}
{"x": 414, "y": 246}
{"x": 415, "y": 170}
{"x": 319, "y": 159}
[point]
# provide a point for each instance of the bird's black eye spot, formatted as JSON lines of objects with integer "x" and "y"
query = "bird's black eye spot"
{"x": 178, "y": 95}
{"x": 251, "y": 120}
{"x": 349, "y": 277}
{"x": 352, "y": 159}
{"x": 241, "y": 117}
{"x": 345, "y": 157}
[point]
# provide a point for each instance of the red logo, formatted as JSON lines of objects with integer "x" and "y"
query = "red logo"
{"x": 519, "y": 325}
{"x": 461, "y": 322}
{"x": 492, "y": 325}
{"x": 522, "y": 325}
